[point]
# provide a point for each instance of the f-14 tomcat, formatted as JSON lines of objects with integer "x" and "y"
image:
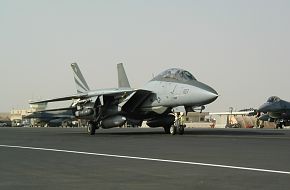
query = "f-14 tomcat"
{"x": 154, "y": 103}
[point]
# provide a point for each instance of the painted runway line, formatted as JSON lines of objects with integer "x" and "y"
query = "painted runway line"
{"x": 149, "y": 159}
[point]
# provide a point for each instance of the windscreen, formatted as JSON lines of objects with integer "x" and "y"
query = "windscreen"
{"x": 177, "y": 74}
{"x": 273, "y": 99}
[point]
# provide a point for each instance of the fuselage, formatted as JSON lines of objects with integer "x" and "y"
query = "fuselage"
{"x": 172, "y": 94}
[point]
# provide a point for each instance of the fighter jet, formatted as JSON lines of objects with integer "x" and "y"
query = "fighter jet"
{"x": 53, "y": 117}
{"x": 154, "y": 103}
{"x": 276, "y": 110}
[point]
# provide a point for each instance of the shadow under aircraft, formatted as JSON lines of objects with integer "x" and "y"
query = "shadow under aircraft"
{"x": 153, "y": 103}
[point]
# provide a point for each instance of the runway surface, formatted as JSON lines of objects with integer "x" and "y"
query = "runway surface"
{"x": 59, "y": 158}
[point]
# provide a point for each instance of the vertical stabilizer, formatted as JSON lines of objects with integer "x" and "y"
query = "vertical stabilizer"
{"x": 80, "y": 81}
{"x": 122, "y": 77}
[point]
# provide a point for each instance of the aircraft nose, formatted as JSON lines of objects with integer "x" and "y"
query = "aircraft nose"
{"x": 263, "y": 108}
{"x": 211, "y": 95}
{"x": 270, "y": 107}
{"x": 208, "y": 93}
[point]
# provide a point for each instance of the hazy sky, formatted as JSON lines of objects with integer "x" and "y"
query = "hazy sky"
{"x": 239, "y": 47}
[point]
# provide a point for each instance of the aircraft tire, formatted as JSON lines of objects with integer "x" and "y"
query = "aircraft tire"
{"x": 167, "y": 129}
{"x": 180, "y": 130}
{"x": 279, "y": 125}
{"x": 173, "y": 129}
{"x": 91, "y": 128}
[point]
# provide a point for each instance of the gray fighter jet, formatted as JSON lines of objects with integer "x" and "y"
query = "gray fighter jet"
{"x": 277, "y": 111}
{"x": 154, "y": 103}
{"x": 53, "y": 117}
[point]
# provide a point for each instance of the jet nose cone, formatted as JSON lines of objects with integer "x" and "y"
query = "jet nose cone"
{"x": 213, "y": 92}
{"x": 263, "y": 108}
{"x": 209, "y": 94}
{"x": 270, "y": 107}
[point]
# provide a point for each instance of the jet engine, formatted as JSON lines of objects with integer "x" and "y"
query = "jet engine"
{"x": 161, "y": 121}
{"x": 114, "y": 121}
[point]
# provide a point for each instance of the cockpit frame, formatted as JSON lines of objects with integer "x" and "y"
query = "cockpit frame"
{"x": 175, "y": 74}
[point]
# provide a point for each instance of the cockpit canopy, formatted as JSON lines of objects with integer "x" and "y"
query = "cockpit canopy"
{"x": 273, "y": 99}
{"x": 176, "y": 74}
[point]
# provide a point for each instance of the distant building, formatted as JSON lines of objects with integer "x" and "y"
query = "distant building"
{"x": 240, "y": 119}
{"x": 17, "y": 115}
{"x": 193, "y": 117}
{"x": 4, "y": 117}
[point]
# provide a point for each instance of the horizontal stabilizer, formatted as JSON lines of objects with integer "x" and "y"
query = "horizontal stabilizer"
{"x": 79, "y": 96}
{"x": 116, "y": 93}
{"x": 52, "y": 114}
{"x": 56, "y": 110}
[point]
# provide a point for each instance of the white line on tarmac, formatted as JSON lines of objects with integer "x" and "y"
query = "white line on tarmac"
{"x": 149, "y": 159}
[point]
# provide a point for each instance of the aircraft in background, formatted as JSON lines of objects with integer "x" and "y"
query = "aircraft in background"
{"x": 154, "y": 103}
{"x": 53, "y": 117}
{"x": 276, "y": 110}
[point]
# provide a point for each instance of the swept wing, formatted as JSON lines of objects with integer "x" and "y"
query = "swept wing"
{"x": 117, "y": 93}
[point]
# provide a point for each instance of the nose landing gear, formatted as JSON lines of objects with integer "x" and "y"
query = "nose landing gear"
{"x": 177, "y": 128}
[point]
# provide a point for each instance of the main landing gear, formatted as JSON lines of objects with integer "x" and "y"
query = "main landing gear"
{"x": 92, "y": 127}
{"x": 279, "y": 125}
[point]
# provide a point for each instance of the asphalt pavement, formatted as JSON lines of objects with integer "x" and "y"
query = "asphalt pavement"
{"x": 68, "y": 158}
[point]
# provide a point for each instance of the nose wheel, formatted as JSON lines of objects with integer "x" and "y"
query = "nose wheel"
{"x": 176, "y": 129}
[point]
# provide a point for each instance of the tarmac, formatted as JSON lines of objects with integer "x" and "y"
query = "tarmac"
{"x": 120, "y": 158}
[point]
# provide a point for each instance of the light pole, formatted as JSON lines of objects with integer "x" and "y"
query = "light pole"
{"x": 229, "y": 116}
